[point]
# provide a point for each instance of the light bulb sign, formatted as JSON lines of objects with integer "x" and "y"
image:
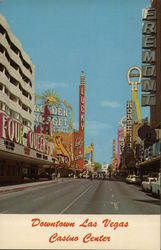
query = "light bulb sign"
{"x": 13, "y": 131}
{"x": 129, "y": 126}
{"x": 134, "y": 76}
{"x": 82, "y": 107}
{"x": 149, "y": 56}
{"x": 60, "y": 116}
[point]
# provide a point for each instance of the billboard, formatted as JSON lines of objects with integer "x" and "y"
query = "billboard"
{"x": 60, "y": 114}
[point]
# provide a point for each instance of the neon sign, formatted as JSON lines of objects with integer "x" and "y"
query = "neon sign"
{"x": 82, "y": 107}
{"x": 149, "y": 18}
{"x": 129, "y": 125}
{"x": 60, "y": 116}
{"x": 13, "y": 131}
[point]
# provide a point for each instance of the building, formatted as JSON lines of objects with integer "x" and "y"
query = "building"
{"x": 104, "y": 168}
{"x": 17, "y": 74}
{"x": 155, "y": 112}
{"x": 20, "y": 147}
{"x": 142, "y": 151}
{"x": 53, "y": 112}
{"x": 149, "y": 154}
{"x": 151, "y": 62}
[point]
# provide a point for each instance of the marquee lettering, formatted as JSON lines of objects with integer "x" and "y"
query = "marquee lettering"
{"x": 13, "y": 131}
{"x": 149, "y": 43}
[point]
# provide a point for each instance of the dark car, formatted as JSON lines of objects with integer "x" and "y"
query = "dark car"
{"x": 44, "y": 175}
{"x": 138, "y": 180}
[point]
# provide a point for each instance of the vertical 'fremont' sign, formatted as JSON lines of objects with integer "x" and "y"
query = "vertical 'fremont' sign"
{"x": 149, "y": 56}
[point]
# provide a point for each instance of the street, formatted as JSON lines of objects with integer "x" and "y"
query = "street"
{"x": 80, "y": 196}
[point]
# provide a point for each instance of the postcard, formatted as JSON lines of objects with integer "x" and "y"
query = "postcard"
{"x": 80, "y": 124}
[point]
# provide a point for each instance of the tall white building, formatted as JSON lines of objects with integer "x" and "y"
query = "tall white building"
{"x": 17, "y": 78}
{"x": 20, "y": 147}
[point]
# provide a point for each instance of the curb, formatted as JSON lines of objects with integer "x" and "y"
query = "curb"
{"x": 30, "y": 185}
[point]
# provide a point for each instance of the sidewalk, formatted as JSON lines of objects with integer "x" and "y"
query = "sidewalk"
{"x": 19, "y": 187}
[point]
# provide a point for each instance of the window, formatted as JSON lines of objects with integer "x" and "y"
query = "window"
{"x": 7, "y": 56}
{"x": 14, "y": 65}
{"x": 1, "y": 48}
{"x": 25, "y": 122}
{"x": 7, "y": 74}
{"x": 1, "y": 169}
{"x": 1, "y": 86}
{"x": 2, "y": 30}
{"x": 6, "y": 91}
{"x": 24, "y": 107}
{"x": 13, "y": 98}
{"x": 13, "y": 81}
{"x": 16, "y": 116}
{"x": 24, "y": 92}
{"x": 14, "y": 48}
{"x": 1, "y": 67}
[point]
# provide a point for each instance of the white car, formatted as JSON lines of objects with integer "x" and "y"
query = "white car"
{"x": 131, "y": 179}
{"x": 156, "y": 186}
{"x": 147, "y": 184}
{"x": 86, "y": 175}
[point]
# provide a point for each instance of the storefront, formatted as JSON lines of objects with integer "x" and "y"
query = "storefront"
{"x": 152, "y": 166}
{"x": 20, "y": 152}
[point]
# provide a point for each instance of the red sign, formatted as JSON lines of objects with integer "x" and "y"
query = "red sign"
{"x": 13, "y": 131}
{"x": 79, "y": 136}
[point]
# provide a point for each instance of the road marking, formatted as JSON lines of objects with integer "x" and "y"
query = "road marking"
{"x": 112, "y": 195}
{"x": 110, "y": 189}
{"x": 76, "y": 199}
{"x": 115, "y": 205}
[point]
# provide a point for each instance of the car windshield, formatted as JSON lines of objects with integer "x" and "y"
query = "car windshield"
{"x": 152, "y": 179}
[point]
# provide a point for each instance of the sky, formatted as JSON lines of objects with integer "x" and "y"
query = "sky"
{"x": 101, "y": 37}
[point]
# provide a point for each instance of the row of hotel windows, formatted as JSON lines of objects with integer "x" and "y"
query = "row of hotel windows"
{"x": 14, "y": 82}
{"x": 14, "y": 48}
{"x": 15, "y": 66}
{"x": 14, "y": 98}
{"x": 14, "y": 115}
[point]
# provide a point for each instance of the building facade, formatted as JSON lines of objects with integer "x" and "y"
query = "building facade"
{"x": 151, "y": 62}
{"x": 155, "y": 111}
{"x": 20, "y": 147}
{"x": 17, "y": 78}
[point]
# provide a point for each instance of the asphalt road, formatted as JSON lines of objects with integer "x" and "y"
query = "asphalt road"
{"x": 80, "y": 196}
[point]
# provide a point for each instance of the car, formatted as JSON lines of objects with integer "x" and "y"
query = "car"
{"x": 156, "y": 186}
{"x": 131, "y": 179}
{"x": 147, "y": 184}
{"x": 138, "y": 180}
{"x": 86, "y": 175}
{"x": 44, "y": 175}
